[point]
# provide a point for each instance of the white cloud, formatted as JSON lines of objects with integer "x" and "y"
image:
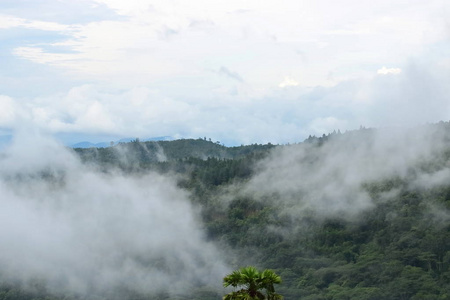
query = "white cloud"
{"x": 288, "y": 81}
{"x": 235, "y": 113}
{"x": 164, "y": 68}
{"x": 88, "y": 232}
{"x": 326, "y": 125}
{"x": 10, "y": 22}
{"x": 157, "y": 40}
{"x": 38, "y": 55}
{"x": 7, "y": 22}
{"x": 328, "y": 180}
{"x": 386, "y": 71}
{"x": 8, "y": 111}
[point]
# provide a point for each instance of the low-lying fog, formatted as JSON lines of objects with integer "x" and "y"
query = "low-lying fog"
{"x": 80, "y": 230}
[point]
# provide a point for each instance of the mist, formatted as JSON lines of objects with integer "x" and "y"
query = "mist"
{"x": 328, "y": 177}
{"x": 91, "y": 232}
{"x": 83, "y": 231}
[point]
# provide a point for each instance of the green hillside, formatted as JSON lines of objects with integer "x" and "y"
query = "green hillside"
{"x": 359, "y": 215}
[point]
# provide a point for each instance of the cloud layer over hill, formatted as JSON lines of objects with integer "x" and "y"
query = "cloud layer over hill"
{"x": 329, "y": 180}
{"x": 85, "y": 231}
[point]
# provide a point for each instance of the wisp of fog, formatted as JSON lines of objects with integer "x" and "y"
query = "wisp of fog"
{"x": 80, "y": 230}
{"x": 326, "y": 177}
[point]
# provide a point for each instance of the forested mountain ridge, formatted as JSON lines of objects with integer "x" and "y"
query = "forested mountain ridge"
{"x": 138, "y": 153}
{"x": 358, "y": 215}
{"x": 398, "y": 247}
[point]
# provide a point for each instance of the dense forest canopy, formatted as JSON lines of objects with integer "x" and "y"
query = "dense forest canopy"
{"x": 363, "y": 214}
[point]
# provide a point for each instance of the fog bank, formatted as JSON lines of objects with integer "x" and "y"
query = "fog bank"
{"x": 83, "y": 231}
{"x": 326, "y": 177}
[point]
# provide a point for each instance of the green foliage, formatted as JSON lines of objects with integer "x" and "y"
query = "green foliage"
{"x": 137, "y": 155}
{"x": 396, "y": 250}
{"x": 399, "y": 249}
{"x": 252, "y": 282}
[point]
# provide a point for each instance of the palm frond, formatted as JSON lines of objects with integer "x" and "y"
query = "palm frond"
{"x": 252, "y": 281}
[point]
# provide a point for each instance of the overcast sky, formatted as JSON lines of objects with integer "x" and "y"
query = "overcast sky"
{"x": 238, "y": 71}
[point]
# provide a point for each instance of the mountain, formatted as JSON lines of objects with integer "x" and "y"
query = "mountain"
{"x": 90, "y": 145}
{"x": 86, "y": 144}
{"x": 363, "y": 214}
{"x": 147, "y": 152}
{"x": 358, "y": 215}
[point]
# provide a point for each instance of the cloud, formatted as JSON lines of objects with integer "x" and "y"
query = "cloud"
{"x": 326, "y": 125}
{"x": 62, "y": 11}
{"x": 39, "y": 55}
{"x": 230, "y": 74}
{"x": 147, "y": 41}
{"x": 7, "y": 22}
{"x": 386, "y": 71}
{"x": 7, "y": 111}
{"x": 87, "y": 232}
{"x": 328, "y": 180}
{"x": 238, "y": 113}
{"x": 416, "y": 95}
{"x": 288, "y": 81}
{"x": 143, "y": 83}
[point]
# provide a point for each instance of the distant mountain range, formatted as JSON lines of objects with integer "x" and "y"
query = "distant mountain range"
{"x": 7, "y": 139}
{"x": 86, "y": 144}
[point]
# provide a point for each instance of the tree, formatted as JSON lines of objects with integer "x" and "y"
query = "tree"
{"x": 252, "y": 282}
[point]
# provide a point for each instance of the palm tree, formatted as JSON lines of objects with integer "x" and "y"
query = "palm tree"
{"x": 252, "y": 282}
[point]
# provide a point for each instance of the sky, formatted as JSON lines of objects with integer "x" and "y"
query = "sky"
{"x": 239, "y": 72}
